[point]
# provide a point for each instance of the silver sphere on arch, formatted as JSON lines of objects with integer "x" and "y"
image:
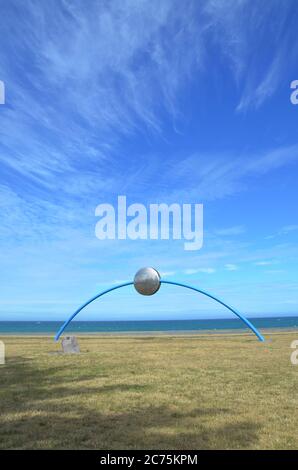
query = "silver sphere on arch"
{"x": 147, "y": 281}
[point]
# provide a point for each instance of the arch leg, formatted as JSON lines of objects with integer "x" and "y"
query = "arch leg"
{"x": 245, "y": 320}
{"x": 66, "y": 323}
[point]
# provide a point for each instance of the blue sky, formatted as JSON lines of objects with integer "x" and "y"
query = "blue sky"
{"x": 162, "y": 102}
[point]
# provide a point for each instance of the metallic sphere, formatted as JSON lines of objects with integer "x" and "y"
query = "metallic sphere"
{"x": 147, "y": 281}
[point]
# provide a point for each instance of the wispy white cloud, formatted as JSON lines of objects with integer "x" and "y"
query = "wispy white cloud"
{"x": 289, "y": 228}
{"x": 254, "y": 96}
{"x": 231, "y": 267}
{"x": 283, "y": 231}
{"x": 275, "y": 271}
{"x": 118, "y": 66}
{"x": 199, "y": 270}
{"x": 231, "y": 231}
{"x": 167, "y": 273}
{"x": 211, "y": 177}
{"x": 242, "y": 32}
{"x": 264, "y": 263}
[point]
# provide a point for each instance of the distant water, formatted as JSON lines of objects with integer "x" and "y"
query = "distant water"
{"x": 51, "y": 327}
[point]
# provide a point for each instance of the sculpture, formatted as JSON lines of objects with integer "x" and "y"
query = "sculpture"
{"x": 147, "y": 281}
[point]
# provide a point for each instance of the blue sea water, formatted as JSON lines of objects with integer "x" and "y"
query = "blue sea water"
{"x": 51, "y": 327}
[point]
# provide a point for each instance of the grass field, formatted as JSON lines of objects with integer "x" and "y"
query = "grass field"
{"x": 156, "y": 392}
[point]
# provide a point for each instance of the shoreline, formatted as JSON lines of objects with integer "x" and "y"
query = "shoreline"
{"x": 138, "y": 334}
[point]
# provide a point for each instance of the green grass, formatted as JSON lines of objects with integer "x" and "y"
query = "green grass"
{"x": 172, "y": 392}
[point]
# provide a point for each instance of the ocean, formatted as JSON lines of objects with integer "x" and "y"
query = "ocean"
{"x": 145, "y": 326}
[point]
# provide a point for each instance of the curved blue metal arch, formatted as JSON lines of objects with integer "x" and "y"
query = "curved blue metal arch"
{"x": 62, "y": 328}
{"x": 245, "y": 320}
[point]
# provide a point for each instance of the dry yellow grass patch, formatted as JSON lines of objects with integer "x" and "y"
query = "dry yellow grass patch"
{"x": 157, "y": 392}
